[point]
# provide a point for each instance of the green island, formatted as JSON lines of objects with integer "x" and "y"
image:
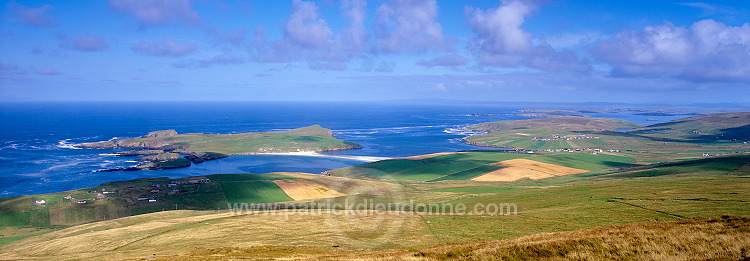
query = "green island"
{"x": 167, "y": 145}
{"x": 576, "y": 188}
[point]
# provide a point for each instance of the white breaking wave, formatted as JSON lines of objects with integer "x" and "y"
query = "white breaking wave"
{"x": 461, "y": 131}
{"x": 65, "y": 144}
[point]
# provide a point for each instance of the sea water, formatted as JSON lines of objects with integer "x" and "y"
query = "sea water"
{"x": 37, "y": 153}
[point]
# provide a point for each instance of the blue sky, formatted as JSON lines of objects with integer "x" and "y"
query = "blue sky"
{"x": 355, "y": 50}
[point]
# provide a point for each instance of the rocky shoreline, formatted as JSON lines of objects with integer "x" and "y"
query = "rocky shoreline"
{"x": 157, "y": 154}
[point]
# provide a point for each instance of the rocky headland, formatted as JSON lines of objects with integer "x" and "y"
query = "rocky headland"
{"x": 166, "y": 149}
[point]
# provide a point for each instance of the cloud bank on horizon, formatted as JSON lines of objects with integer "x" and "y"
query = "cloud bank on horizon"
{"x": 510, "y": 50}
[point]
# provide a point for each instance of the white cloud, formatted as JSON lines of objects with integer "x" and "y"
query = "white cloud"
{"x": 500, "y": 41}
{"x": 499, "y": 38}
{"x": 355, "y": 38}
{"x": 707, "y": 51}
{"x": 408, "y": 26}
{"x": 305, "y": 28}
{"x": 307, "y": 37}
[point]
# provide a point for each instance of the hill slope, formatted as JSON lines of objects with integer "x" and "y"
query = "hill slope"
{"x": 133, "y": 197}
{"x": 708, "y": 128}
{"x": 686, "y": 138}
{"x": 569, "y": 123}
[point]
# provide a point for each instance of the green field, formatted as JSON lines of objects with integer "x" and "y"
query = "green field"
{"x": 253, "y": 192}
{"x": 468, "y": 174}
{"x": 57, "y": 210}
{"x": 586, "y": 161}
{"x": 433, "y": 170}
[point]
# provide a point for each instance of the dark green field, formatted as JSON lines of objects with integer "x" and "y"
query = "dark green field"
{"x": 586, "y": 161}
{"x": 253, "y": 192}
{"x": 57, "y": 210}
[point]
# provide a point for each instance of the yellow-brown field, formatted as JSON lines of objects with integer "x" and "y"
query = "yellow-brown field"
{"x": 301, "y": 189}
{"x": 516, "y": 169}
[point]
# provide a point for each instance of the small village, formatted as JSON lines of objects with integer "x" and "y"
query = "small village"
{"x": 131, "y": 194}
{"x": 558, "y": 137}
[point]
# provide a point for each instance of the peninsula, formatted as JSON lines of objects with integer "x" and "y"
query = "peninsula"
{"x": 165, "y": 146}
{"x": 693, "y": 137}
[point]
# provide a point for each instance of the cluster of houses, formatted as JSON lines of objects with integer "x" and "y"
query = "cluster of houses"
{"x": 170, "y": 188}
{"x": 149, "y": 199}
{"x": 580, "y": 149}
{"x": 100, "y": 195}
{"x": 723, "y": 154}
{"x": 557, "y": 137}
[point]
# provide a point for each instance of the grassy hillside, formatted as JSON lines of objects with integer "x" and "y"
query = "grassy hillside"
{"x": 723, "y": 238}
{"x": 693, "y": 137}
{"x": 569, "y": 123}
{"x": 708, "y": 128}
{"x": 133, "y": 197}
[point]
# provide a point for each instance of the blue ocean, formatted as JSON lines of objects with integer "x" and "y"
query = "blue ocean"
{"x": 37, "y": 156}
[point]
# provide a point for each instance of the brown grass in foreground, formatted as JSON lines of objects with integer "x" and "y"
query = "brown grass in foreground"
{"x": 725, "y": 238}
